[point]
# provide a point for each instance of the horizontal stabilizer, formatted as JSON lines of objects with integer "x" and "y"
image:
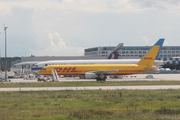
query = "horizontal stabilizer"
{"x": 151, "y": 68}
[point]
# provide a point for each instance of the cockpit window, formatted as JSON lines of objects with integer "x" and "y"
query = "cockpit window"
{"x": 36, "y": 65}
{"x": 46, "y": 64}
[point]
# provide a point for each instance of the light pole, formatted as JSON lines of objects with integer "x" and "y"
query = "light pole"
{"x": 5, "y": 56}
{"x": 0, "y": 58}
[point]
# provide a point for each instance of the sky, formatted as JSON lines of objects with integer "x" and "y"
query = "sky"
{"x": 67, "y": 27}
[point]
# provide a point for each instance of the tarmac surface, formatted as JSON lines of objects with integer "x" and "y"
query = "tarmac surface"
{"x": 138, "y": 77}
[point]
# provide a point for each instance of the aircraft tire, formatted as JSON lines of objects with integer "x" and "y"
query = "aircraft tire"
{"x": 38, "y": 80}
{"x": 98, "y": 79}
{"x": 104, "y": 79}
{"x": 101, "y": 79}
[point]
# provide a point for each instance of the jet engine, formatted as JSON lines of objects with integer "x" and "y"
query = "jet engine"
{"x": 90, "y": 75}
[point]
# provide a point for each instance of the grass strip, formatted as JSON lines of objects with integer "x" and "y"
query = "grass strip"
{"x": 88, "y": 83}
{"x": 91, "y": 105}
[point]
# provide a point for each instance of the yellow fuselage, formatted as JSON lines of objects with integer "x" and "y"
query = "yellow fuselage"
{"x": 122, "y": 69}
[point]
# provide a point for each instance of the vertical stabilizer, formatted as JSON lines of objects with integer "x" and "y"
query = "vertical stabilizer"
{"x": 114, "y": 54}
{"x": 148, "y": 59}
{"x": 159, "y": 43}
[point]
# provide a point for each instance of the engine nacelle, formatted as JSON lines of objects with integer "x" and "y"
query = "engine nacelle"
{"x": 90, "y": 75}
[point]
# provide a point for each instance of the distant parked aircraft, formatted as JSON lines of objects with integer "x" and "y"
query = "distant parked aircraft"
{"x": 24, "y": 67}
{"x": 172, "y": 63}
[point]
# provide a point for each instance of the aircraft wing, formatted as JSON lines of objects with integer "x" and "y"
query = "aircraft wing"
{"x": 104, "y": 72}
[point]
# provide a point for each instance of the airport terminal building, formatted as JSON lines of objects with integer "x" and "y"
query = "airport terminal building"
{"x": 133, "y": 52}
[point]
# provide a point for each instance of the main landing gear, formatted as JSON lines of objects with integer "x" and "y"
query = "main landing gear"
{"x": 101, "y": 78}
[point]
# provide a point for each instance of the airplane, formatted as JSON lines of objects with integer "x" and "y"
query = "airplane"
{"x": 172, "y": 63}
{"x": 25, "y": 67}
{"x": 100, "y": 71}
{"x": 40, "y": 65}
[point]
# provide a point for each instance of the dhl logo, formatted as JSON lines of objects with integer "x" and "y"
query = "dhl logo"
{"x": 66, "y": 69}
{"x": 148, "y": 58}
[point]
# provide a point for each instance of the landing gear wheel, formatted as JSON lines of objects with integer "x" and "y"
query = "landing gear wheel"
{"x": 104, "y": 78}
{"x": 101, "y": 79}
{"x": 97, "y": 79}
